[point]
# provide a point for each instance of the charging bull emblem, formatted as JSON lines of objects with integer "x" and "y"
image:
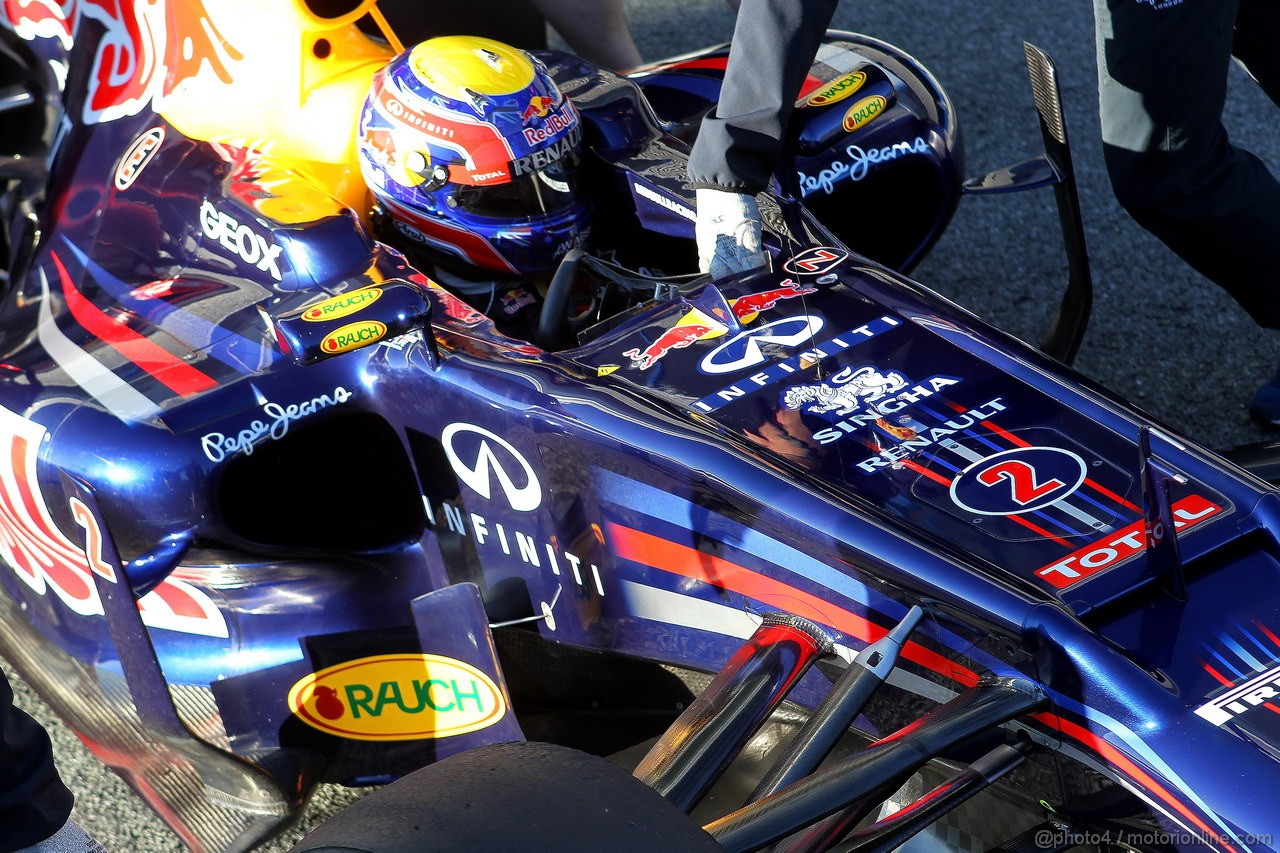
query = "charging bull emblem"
{"x": 694, "y": 326}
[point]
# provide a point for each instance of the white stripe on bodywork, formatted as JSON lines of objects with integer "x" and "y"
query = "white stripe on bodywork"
{"x": 120, "y": 398}
{"x": 838, "y": 57}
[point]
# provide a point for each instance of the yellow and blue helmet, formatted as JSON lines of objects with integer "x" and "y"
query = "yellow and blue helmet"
{"x": 472, "y": 151}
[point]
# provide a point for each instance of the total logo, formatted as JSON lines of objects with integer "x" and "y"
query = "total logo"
{"x": 236, "y": 237}
{"x": 398, "y": 697}
{"x": 743, "y": 351}
{"x": 1020, "y": 480}
{"x": 1122, "y": 545}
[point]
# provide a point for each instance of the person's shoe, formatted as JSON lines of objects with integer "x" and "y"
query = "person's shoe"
{"x": 1265, "y": 405}
{"x": 70, "y": 839}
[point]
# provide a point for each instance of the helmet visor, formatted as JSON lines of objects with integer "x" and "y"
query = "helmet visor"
{"x": 547, "y": 190}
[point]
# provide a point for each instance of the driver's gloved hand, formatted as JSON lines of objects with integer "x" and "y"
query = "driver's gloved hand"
{"x": 728, "y": 232}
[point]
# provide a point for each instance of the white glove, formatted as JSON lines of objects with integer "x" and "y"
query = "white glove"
{"x": 728, "y": 232}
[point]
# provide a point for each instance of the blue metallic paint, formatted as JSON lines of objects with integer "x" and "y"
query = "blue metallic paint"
{"x": 740, "y": 487}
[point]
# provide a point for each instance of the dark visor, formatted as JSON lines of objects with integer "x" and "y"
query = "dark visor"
{"x": 549, "y": 189}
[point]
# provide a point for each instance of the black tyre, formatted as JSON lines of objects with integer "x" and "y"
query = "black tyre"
{"x": 510, "y": 797}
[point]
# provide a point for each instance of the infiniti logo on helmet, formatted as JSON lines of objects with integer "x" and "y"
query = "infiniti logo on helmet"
{"x": 460, "y": 441}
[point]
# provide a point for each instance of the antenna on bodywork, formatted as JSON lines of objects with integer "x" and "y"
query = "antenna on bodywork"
{"x": 1163, "y": 556}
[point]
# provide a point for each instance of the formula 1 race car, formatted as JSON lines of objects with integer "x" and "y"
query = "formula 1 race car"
{"x": 280, "y": 509}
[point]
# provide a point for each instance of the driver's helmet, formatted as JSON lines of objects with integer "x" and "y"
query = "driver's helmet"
{"x": 471, "y": 151}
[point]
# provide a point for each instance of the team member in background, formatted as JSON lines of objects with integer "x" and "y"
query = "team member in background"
{"x": 1162, "y": 86}
{"x": 740, "y": 142}
{"x": 35, "y": 807}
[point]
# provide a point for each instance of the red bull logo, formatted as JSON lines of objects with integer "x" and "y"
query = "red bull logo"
{"x": 694, "y": 326}
{"x": 538, "y": 106}
{"x": 33, "y": 19}
{"x": 747, "y": 307}
{"x": 381, "y": 144}
{"x": 140, "y": 56}
{"x": 553, "y": 124}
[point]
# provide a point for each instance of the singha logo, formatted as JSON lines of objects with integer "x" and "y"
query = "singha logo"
{"x": 845, "y": 392}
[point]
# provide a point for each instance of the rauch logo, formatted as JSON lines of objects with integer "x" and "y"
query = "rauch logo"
{"x": 398, "y": 697}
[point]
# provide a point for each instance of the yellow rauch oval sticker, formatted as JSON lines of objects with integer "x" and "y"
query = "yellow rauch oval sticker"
{"x": 864, "y": 111}
{"x": 342, "y": 305}
{"x": 398, "y": 697}
{"x": 353, "y": 336}
{"x": 837, "y": 90}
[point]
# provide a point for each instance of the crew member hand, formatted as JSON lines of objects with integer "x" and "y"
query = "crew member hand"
{"x": 728, "y": 232}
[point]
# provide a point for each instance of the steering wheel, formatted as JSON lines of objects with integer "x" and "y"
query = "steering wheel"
{"x": 554, "y": 322}
{"x": 612, "y": 289}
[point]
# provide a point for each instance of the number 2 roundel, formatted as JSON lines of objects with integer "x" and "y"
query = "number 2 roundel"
{"x": 1019, "y": 480}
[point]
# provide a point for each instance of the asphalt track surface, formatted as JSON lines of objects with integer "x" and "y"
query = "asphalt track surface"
{"x": 1161, "y": 335}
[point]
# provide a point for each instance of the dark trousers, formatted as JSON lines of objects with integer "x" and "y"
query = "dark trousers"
{"x": 1162, "y": 69}
{"x": 740, "y": 142}
{"x": 34, "y": 803}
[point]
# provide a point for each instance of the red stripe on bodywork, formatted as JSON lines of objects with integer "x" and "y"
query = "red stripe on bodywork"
{"x": 936, "y": 477}
{"x": 1098, "y": 487}
{"x": 664, "y": 555}
{"x": 719, "y": 63}
{"x": 1122, "y": 762}
{"x": 927, "y": 472}
{"x": 668, "y": 556}
{"x": 163, "y": 366}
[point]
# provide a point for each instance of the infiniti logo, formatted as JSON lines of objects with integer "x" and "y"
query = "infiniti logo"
{"x": 742, "y": 351}
{"x": 487, "y": 464}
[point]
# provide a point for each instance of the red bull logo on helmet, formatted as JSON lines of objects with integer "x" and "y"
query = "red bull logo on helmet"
{"x": 556, "y": 123}
{"x": 539, "y": 160}
{"x": 538, "y": 106}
